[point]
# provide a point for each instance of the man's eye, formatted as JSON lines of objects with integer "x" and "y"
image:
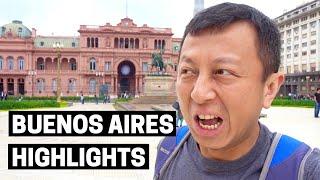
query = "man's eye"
{"x": 186, "y": 71}
{"x": 222, "y": 72}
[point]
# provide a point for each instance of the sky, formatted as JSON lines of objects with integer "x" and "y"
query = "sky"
{"x": 64, "y": 17}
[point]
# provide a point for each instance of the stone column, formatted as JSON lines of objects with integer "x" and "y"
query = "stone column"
{"x": 112, "y": 85}
{"x": 116, "y": 85}
{"x": 136, "y": 85}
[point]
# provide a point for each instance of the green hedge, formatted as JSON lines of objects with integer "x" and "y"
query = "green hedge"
{"x": 293, "y": 103}
{"x": 13, "y": 104}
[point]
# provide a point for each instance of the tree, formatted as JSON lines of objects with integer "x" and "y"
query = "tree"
{"x": 157, "y": 61}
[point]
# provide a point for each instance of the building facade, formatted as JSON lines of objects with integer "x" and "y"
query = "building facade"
{"x": 300, "y": 57}
{"x": 102, "y": 59}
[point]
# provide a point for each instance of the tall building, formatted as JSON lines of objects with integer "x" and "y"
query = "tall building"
{"x": 106, "y": 58}
{"x": 300, "y": 57}
{"x": 198, "y": 6}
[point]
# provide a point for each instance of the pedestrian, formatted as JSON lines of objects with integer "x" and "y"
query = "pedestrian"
{"x": 96, "y": 99}
{"x": 1, "y": 95}
{"x": 317, "y": 103}
{"x": 179, "y": 118}
{"x": 227, "y": 72}
{"x": 82, "y": 99}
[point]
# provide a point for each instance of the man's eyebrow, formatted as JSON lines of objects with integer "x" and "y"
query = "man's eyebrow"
{"x": 226, "y": 60}
{"x": 186, "y": 59}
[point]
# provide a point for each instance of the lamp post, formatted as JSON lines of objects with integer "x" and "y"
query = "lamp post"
{"x": 58, "y": 46}
{"x": 32, "y": 73}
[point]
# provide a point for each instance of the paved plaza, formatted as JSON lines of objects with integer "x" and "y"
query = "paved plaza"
{"x": 297, "y": 122}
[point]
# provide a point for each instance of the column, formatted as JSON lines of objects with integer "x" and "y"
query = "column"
{"x": 112, "y": 85}
{"x": 116, "y": 85}
{"x": 141, "y": 85}
{"x": 5, "y": 84}
{"x": 136, "y": 85}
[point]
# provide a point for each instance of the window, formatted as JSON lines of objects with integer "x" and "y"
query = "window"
{"x": 73, "y": 44}
{"x": 313, "y": 33}
{"x": 296, "y": 38}
{"x": 21, "y": 63}
{"x": 72, "y": 85}
{"x": 313, "y": 5}
{"x": 1, "y": 63}
{"x": 305, "y": 26}
{"x": 282, "y": 34}
{"x": 295, "y": 68}
{"x": 288, "y": 69}
{"x": 296, "y": 30}
{"x": 288, "y": 56}
{"x": 304, "y": 53}
{"x": 288, "y": 40}
{"x": 10, "y": 63}
{"x": 288, "y": 48}
{"x": 92, "y": 64}
{"x": 144, "y": 66}
{"x": 296, "y": 46}
{"x": 54, "y": 85}
{"x": 92, "y": 86}
{"x": 305, "y": 44}
{"x": 304, "y": 18}
{"x": 73, "y": 65}
{"x": 313, "y": 51}
{"x": 304, "y": 67}
{"x": 96, "y": 42}
{"x": 304, "y": 35}
{"x": 295, "y": 54}
{"x": 296, "y": 21}
{"x": 313, "y": 42}
{"x": 88, "y": 42}
{"x": 107, "y": 66}
{"x": 40, "y": 85}
{"x": 305, "y": 9}
{"x": 41, "y": 43}
{"x": 288, "y": 32}
{"x": 313, "y": 24}
{"x": 312, "y": 67}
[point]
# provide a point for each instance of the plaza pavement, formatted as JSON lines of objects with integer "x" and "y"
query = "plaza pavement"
{"x": 297, "y": 122}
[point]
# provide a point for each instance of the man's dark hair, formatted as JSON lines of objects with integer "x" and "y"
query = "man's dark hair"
{"x": 219, "y": 16}
{"x": 318, "y": 88}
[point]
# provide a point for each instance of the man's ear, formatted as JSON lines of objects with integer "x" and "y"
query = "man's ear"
{"x": 271, "y": 88}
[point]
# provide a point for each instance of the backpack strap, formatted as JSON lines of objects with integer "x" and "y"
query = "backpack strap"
{"x": 168, "y": 148}
{"x": 286, "y": 154}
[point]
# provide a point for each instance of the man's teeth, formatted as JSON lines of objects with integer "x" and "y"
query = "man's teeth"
{"x": 213, "y": 126}
{"x": 206, "y": 116}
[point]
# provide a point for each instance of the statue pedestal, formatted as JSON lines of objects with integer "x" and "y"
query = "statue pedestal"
{"x": 159, "y": 86}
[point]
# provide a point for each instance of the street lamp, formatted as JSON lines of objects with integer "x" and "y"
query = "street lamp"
{"x": 57, "y": 47}
{"x": 32, "y": 73}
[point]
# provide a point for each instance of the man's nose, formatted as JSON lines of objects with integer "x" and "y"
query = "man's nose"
{"x": 202, "y": 91}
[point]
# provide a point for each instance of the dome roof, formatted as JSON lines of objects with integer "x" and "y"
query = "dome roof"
{"x": 15, "y": 29}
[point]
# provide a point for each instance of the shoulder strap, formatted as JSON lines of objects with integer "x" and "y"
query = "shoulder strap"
{"x": 282, "y": 148}
{"x": 168, "y": 148}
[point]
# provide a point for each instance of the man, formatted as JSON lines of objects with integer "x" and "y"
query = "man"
{"x": 227, "y": 72}
{"x": 317, "y": 103}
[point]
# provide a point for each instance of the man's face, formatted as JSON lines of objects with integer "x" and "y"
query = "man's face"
{"x": 219, "y": 85}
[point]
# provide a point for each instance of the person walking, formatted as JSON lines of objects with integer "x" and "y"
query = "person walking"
{"x": 317, "y": 103}
{"x": 82, "y": 99}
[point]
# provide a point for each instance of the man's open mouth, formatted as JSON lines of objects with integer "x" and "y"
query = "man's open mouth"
{"x": 209, "y": 122}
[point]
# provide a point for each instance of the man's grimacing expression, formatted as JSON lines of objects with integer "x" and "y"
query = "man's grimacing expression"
{"x": 221, "y": 91}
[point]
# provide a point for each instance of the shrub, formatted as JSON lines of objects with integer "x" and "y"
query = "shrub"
{"x": 293, "y": 103}
{"x": 12, "y": 104}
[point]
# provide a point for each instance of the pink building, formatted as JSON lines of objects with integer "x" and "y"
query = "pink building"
{"x": 103, "y": 59}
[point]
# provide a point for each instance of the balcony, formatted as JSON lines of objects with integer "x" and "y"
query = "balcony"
{"x": 13, "y": 72}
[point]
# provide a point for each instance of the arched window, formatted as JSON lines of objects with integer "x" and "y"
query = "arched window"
{"x": 73, "y": 64}
{"x": 155, "y": 44}
{"x": 1, "y": 63}
{"x": 10, "y": 63}
{"x": 92, "y": 42}
{"x": 126, "y": 43}
{"x": 88, "y": 42}
{"x": 136, "y": 43}
{"x": 92, "y": 64}
{"x": 40, "y": 85}
{"x": 97, "y": 42}
{"x": 116, "y": 45}
{"x": 121, "y": 43}
{"x": 40, "y": 63}
{"x": 92, "y": 86}
{"x": 54, "y": 85}
{"x": 163, "y": 44}
{"x": 21, "y": 63}
{"x": 72, "y": 85}
{"x": 131, "y": 43}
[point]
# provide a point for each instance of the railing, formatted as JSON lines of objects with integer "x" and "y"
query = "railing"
{"x": 14, "y": 72}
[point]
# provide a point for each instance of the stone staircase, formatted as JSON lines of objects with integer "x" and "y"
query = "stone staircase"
{"x": 154, "y": 100}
